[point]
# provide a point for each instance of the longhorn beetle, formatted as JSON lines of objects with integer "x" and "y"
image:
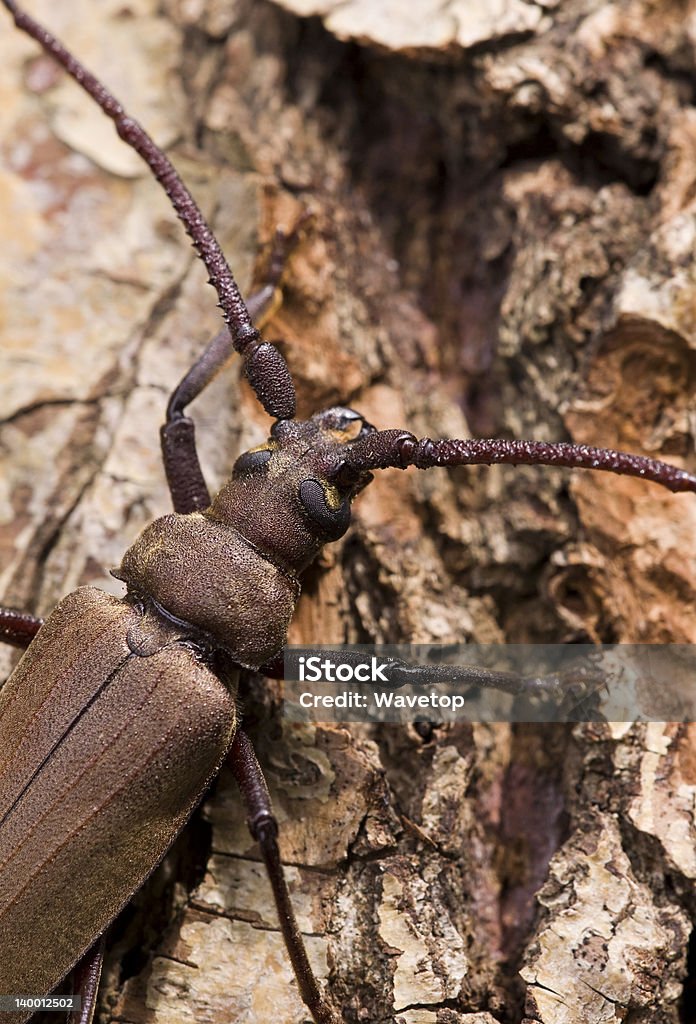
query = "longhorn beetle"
{"x": 106, "y": 686}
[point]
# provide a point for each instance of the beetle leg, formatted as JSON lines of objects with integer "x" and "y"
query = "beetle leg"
{"x": 264, "y": 829}
{"x": 86, "y": 976}
{"x": 572, "y": 690}
{"x": 18, "y": 628}
{"x": 185, "y": 478}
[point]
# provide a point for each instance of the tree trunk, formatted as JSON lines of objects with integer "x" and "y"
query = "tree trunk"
{"x": 502, "y": 244}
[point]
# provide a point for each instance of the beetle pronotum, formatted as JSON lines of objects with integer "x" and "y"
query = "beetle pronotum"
{"x": 129, "y": 284}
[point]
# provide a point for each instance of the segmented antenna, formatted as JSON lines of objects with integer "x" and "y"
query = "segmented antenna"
{"x": 264, "y": 365}
{"x": 399, "y": 448}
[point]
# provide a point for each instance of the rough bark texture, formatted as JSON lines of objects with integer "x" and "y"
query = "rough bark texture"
{"x": 503, "y": 243}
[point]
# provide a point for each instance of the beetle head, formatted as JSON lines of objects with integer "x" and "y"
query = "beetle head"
{"x": 291, "y": 495}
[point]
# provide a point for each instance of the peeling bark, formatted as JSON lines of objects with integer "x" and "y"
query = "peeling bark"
{"x": 503, "y": 243}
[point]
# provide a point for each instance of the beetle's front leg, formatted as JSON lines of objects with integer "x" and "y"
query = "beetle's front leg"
{"x": 18, "y": 628}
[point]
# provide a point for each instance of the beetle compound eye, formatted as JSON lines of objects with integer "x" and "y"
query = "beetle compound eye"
{"x": 323, "y": 504}
{"x": 250, "y": 461}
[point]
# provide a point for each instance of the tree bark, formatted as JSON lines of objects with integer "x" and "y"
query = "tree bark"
{"x": 502, "y": 244}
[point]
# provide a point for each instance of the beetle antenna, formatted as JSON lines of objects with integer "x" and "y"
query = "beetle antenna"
{"x": 399, "y": 448}
{"x": 264, "y": 366}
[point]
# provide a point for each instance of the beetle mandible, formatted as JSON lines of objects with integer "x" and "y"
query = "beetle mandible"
{"x": 312, "y": 501}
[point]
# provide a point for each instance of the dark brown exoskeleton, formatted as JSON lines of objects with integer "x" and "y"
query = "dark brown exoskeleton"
{"x": 122, "y": 711}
